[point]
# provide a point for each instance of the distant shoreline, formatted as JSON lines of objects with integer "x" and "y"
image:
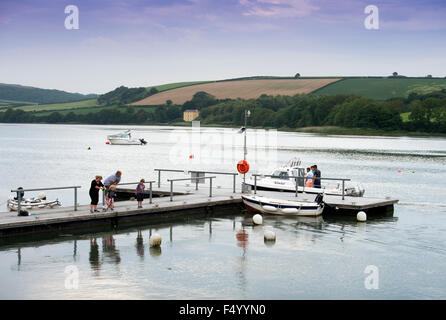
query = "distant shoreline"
{"x": 322, "y": 130}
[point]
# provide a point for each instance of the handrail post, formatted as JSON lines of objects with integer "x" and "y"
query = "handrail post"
{"x": 210, "y": 187}
{"x": 343, "y": 184}
{"x": 19, "y": 201}
{"x": 171, "y": 190}
{"x": 196, "y": 184}
{"x": 75, "y": 199}
{"x": 296, "y": 186}
{"x": 233, "y": 183}
{"x": 150, "y": 192}
{"x": 159, "y": 178}
{"x": 255, "y": 184}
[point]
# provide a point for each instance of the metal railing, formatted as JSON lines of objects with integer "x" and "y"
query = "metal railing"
{"x": 300, "y": 178}
{"x": 196, "y": 185}
{"x": 132, "y": 183}
{"x": 233, "y": 174}
{"x": 19, "y": 194}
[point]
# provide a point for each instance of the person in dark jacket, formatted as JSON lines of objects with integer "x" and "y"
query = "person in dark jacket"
{"x": 96, "y": 185}
{"x": 317, "y": 177}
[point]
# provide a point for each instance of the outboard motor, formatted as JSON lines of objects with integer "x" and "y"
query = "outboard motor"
{"x": 319, "y": 199}
{"x": 143, "y": 141}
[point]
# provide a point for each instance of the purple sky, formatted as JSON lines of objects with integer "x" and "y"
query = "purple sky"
{"x": 143, "y": 43}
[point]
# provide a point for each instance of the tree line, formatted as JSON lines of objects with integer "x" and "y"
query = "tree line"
{"x": 427, "y": 112}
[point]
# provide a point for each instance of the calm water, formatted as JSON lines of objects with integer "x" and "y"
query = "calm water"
{"x": 226, "y": 257}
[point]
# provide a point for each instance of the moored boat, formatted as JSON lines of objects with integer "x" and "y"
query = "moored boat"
{"x": 282, "y": 179}
{"x": 125, "y": 138}
{"x": 32, "y": 203}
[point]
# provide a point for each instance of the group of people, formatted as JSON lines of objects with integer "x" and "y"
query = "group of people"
{"x": 109, "y": 187}
{"x": 313, "y": 177}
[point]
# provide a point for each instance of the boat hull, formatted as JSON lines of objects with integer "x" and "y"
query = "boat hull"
{"x": 290, "y": 187}
{"x": 125, "y": 142}
{"x": 283, "y": 208}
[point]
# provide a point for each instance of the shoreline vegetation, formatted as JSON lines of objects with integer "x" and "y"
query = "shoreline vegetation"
{"x": 417, "y": 113}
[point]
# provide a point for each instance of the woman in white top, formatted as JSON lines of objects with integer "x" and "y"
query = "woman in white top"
{"x": 309, "y": 178}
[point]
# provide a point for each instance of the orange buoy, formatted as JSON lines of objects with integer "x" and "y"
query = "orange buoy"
{"x": 243, "y": 166}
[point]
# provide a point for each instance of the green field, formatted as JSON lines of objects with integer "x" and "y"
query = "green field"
{"x": 383, "y": 88}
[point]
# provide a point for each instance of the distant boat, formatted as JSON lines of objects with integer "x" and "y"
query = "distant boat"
{"x": 282, "y": 207}
{"x": 125, "y": 138}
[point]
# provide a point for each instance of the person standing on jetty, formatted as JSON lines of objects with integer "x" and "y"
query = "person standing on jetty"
{"x": 140, "y": 192}
{"x": 317, "y": 177}
{"x": 96, "y": 185}
{"x": 309, "y": 178}
{"x": 114, "y": 179}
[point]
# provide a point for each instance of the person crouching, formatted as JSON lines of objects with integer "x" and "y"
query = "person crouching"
{"x": 111, "y": 194}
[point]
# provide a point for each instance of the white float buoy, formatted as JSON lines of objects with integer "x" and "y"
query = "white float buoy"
{"x": 257, "y": 219}
{"x": 361, "y": 216}
{"x": 269, "y": 235}
{"x": 155, "y": 240}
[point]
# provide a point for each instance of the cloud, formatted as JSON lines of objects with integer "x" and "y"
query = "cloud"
{"x": 278, "y": 8}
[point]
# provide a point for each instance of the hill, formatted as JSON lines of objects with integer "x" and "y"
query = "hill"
{"x": 383, "y": 88}
{"x": 17, "y": 94}
{"x": 245, "y": 89}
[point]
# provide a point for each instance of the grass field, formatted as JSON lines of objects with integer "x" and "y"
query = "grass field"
{"x": 383, "y": 88}
{"x": 245, "y": 89}
{"x": 60, "y": 106}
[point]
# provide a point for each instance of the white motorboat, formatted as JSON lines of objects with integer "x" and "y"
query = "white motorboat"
{"x": 32, "y": 203}
{"x": 125, "y": 138}
{"x": 282, "y": 207}
{"x": 279, "y": 180}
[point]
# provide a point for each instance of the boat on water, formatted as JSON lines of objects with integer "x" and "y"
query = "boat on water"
{"x": 282, "y": 179}
{"x": 32, "y": 203}
{"x": 256, "y": 203}
{"x": 125, "y": 138}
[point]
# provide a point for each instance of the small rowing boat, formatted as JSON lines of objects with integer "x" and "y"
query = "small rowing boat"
{"x": 32, "y": 203}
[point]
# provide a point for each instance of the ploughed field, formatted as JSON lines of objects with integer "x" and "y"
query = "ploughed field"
{"x": 245, "y": 89}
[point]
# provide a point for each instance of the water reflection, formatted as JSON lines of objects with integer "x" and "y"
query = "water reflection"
{"x": 109, "y": 250}
{"x": 94, "y": 256}
{"x": 140, "y": 244}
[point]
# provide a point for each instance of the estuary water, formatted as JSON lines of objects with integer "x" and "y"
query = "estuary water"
{"x": 398, "y": 257}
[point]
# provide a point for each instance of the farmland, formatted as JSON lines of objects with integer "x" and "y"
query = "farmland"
{"x": 383, "y": 88}
{"x": 245, "y": 89}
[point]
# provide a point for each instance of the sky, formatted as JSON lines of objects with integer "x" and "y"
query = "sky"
{"x": 151, "y": 42}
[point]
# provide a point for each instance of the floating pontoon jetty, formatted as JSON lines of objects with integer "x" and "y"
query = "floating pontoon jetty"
{"x": 192, "y": 194}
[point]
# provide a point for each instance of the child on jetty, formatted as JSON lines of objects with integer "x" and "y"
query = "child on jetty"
{"x": 140, "y": 192}
{"x": 111, "y": 194}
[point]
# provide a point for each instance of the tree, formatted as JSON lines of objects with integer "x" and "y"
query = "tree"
{"x": 297, "y": 75}
{"x": 429, "y": 76}
{"x": 169, "y": 102}
{"x": 395, "y": 74}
